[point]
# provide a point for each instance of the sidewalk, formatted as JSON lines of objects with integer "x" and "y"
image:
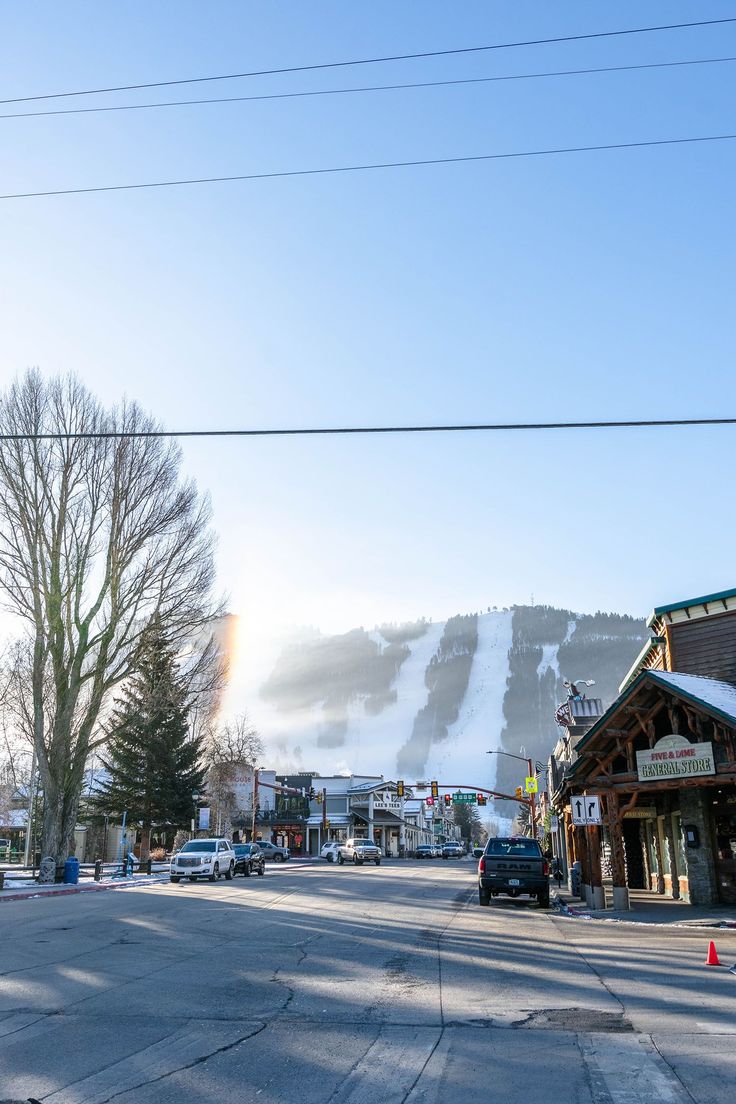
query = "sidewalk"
{"x": 650, "y": 908}
{"x": 23, "y": 890}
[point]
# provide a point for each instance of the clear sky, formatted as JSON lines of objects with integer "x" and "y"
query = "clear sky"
{"x": 580, "y": 287}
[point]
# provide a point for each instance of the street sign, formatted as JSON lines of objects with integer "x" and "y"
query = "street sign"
{"x": 531, "y": 785}
{"x": 586, "y": 810}
{"x": 554, "y": 824}
{"x": 460, "y": 798}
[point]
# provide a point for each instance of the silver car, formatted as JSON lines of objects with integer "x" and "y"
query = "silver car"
{"x": 273, "y": 851}
{"x": 359, "y": 851}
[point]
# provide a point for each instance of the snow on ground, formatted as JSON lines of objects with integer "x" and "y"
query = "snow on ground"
{"x": 373, "y": 740}
{"x": 479, "y": 726}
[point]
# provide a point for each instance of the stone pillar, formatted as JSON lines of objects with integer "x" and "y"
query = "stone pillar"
{"x": 701, "y": 867}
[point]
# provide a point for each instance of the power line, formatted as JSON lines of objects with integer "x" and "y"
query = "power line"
{"x": 333, "y": 431}
{"x": 367, "y": 88}
{"x": 372, "y": 60}
{"x": 333, "y": 169}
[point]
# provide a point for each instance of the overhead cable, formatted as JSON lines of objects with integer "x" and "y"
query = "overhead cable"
{"x": 332, "y": 431}
{"x": 372, "y": 60}
{"x": 366, "y": 88}
{"x": 372, "y": 167}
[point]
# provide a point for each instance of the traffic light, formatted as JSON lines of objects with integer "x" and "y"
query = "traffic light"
{"x": 319, "y": 798}
{"x": 448, "y": 799}
{"x": 480, "y": 798}
{"x": 429, "y": 801}
{"x": 312, "y": 793}
{"x": 399, "y": 789}
{"x": 434, "y": 787}
{"x": 519, "y": 792}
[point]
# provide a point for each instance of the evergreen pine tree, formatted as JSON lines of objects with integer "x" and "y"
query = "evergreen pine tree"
{"x": 154, "y": 767}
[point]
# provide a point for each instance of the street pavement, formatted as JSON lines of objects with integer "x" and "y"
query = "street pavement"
{"x": 369, "y": 985}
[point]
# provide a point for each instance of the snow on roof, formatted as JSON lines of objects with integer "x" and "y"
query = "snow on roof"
{"x": 720, "y": 696}
{"x": 14, "y": 818}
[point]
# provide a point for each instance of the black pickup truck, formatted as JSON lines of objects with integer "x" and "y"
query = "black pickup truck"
{"x": 513, "y": 865}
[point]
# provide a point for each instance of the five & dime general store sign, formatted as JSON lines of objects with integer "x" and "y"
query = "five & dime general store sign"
{"x": 674, "y": 757}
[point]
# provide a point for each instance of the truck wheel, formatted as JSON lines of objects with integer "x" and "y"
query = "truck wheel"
{"x": 377, "y": 862}
{"x": 543, "y": 899}
{"x": 173, "y": 878}
{"x": 340, "y": 859}
{"x": 483, "y": 898}
{"x": 356, "y": 860}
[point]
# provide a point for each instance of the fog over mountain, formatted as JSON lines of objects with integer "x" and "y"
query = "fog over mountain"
{"x": 428, "y": 699}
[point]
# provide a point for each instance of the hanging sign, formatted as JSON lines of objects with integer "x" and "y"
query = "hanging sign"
{"x": 674, "y": 757}
{"x": 204, "y": 819}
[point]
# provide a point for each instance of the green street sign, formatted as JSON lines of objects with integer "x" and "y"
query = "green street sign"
{"x": 464, "y": 798}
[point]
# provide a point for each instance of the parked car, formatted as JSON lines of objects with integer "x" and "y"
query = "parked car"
{"x": 249, "y": 859}
{"x": 513, "y": 865}
{"x": 437, "y": 850}
{"x": 452, "y": 850}
{"x": 203, "y": 858}
{"x": 273, "y": 851}
{"x": 329, "y": 850}
{"x": 359, "y": 851}
{"x": 425, "y": 851}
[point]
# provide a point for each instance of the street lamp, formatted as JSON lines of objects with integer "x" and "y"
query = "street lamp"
{"x": 532, "y": 801}
{"x": 195, "y": 802}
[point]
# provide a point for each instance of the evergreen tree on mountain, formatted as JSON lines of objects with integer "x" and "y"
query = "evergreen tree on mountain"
{"x": 154, "y": 766}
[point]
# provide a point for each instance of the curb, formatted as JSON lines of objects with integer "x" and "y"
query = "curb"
{"x": 96, "y": 887}
{"x": 580, "y": 913}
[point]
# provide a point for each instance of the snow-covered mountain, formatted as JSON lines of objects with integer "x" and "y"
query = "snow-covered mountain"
{"x": 428, "y": 700}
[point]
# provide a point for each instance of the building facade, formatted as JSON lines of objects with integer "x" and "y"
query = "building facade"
{"x": 660, "y": 764}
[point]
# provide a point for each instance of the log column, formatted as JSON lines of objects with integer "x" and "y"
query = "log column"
{"x": 618, "y": 855}
{"x": 597, "y": 894}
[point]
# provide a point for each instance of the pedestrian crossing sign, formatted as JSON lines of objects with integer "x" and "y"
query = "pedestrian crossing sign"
{"x": 532, "y": 786}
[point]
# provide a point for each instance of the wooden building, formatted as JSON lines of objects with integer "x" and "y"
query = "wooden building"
{"x": 662, "y": 762}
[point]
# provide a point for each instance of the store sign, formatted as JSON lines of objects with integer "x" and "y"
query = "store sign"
{"x": 640, "y": 812}
{"x": 674, "y": 757}
{"x": 388, "y": 801}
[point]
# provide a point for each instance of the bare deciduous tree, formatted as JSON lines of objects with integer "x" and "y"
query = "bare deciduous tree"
{"x": 98, "y": 534}
{"x": 234, "y": 744}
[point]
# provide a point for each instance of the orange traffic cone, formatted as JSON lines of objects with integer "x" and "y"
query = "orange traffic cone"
{"x": 712, "y": 958}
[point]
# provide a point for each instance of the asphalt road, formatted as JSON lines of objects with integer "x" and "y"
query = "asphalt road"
{"x": 352, "y": 985}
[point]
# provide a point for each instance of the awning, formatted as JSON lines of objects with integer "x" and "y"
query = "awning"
{"x": 381, "y": 819}
{"x": 341, "y": 821}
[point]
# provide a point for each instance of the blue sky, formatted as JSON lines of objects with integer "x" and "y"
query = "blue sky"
{"x": 580, "y": 287}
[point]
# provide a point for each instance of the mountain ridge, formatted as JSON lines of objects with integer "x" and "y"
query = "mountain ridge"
{"x": 418, "y": 698}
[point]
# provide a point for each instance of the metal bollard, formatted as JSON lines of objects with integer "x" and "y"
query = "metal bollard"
{"x": 98, "y": 870}
{"x": 2, "y": 879}
{"x": 148, "y": 867}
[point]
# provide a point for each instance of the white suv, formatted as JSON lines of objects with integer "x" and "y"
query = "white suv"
{"x": 203, "y": 858}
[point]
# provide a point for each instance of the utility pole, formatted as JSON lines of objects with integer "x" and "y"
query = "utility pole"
{"x": 324, "y": 811}
{"x": 255, "y": 805}
{"x": 532, "y": 803}
{"x": 29, "y": 821}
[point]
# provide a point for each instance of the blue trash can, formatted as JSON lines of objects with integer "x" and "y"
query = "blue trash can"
{"x": 71, "y": 871}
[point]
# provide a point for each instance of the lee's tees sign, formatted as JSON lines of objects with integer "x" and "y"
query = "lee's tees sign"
{"x": 675, "y": 757}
